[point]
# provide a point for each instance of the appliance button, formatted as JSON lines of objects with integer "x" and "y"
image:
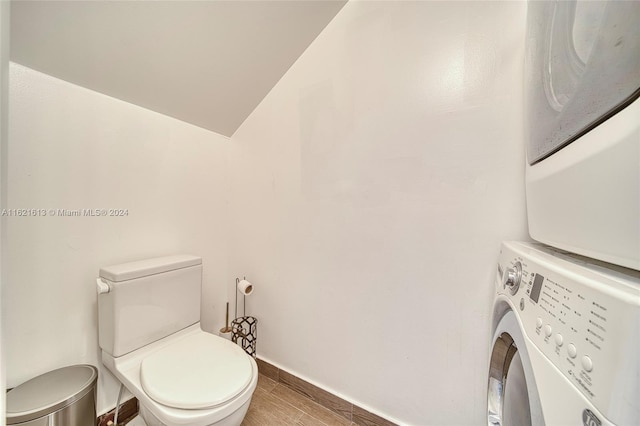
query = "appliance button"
{"x": 587, "y": 364}
{"x": 547, "y": 330}
{"x": 559, "y": 339}
{"x": 571, "y": 349}
{"x": 539, "y": 323}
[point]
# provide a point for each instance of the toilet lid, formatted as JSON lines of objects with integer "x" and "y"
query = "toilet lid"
{"x": 199, "y": 371}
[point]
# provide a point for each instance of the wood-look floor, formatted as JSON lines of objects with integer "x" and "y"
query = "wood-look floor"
{"x": 275, "y": 404}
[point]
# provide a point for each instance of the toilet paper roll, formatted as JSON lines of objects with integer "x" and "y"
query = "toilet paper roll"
{"x": 245, "y": 287}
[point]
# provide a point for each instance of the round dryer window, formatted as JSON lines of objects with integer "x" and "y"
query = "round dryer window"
{"x": 512, "y": 396}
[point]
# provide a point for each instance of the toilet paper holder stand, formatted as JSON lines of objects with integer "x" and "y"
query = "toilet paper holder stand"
{"x": 246, "y": 288}
{"x": 244, "y": 330}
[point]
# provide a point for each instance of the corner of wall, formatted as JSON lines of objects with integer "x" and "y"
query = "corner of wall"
{"x": 4, "y": 115}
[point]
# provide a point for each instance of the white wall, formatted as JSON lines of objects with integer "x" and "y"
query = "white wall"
{"x": 370, "y": 192}
{"x": 4, "y": 121}
{"x": 71, "y": 148}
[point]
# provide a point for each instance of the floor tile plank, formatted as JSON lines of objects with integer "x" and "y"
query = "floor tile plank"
{"x": 267, "y": 409}
{"x": 265, "y": 383}
{"x": 313, "y": 409}
{"x": 307, "y": 420}
{"x": 317, "y": 394}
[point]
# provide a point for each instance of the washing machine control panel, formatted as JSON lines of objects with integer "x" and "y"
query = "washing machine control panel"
{"x": 585, "y": 321}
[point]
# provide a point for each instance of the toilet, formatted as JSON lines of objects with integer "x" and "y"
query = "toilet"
{"x": 151, "y": 340}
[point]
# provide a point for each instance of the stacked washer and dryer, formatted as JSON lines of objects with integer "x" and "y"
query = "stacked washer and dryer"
{"x": 566, "y": 312}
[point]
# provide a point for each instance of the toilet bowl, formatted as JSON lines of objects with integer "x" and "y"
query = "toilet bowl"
{"x": 218, "y": 379}
{"x": 180, "y": 374}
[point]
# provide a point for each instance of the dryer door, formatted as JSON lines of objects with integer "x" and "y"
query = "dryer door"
{"x": 512, "y": 395}
{"x": 582, "y": 66}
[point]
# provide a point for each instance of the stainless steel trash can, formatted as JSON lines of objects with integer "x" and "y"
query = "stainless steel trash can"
{"x": 62, "y": 397}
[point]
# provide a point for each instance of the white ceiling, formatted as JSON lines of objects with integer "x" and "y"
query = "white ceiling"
{"x": 208, "y": 63}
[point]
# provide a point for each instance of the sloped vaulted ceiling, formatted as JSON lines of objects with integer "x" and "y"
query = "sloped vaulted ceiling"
{"x": 208, "y": 63}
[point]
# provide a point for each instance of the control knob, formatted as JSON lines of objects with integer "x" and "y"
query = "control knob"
{"x": 511, "y": 278}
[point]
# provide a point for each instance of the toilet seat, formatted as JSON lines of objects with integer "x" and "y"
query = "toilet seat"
{"x": 127, "y": 368}
{"x": 197, "y": 372}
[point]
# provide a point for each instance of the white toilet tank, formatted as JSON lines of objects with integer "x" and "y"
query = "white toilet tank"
{"x": 146, "y": 301}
